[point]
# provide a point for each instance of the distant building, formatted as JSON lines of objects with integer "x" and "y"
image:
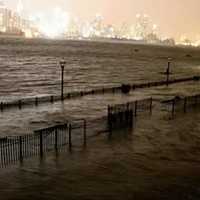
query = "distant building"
{"x": 10, "y": 22}
{"x": 5, "y": 18}
{"x": 169, "y": 41}
{"x": 20, "y": 7}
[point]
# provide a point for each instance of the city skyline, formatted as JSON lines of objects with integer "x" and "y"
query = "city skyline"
{"x": 168, "y": 14}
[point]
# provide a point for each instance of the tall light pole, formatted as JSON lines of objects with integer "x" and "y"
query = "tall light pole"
{"x": 62, "y": 65}
{"x": 168, "y": 71}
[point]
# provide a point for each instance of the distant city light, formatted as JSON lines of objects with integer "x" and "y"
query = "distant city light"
{"x": 52, "y": 24}
{"x": 20, "y": 7}
{"x": 57, "y": 23}
{"x": 155, "y": 26}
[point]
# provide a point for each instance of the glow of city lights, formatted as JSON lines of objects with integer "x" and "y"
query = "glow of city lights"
{"x": 20, "y": 7}
{"x": 155, "y": 26}
{"x": 57, "y": 23}
{"x": 52, "y": 24}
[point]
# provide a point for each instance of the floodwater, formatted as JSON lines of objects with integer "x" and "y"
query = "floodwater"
{"x": 158, "y": 159}
{"x": 30, "y": 67}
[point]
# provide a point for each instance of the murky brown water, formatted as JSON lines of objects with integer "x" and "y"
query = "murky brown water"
{"x": 30, "y": 67}
{"x": 159, "y": 159}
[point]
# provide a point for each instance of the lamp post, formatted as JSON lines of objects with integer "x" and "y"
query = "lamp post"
{"x": 62, "y": 65}
{"x": 168, "y": 71}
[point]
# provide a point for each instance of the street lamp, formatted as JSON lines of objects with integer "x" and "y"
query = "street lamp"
{"x": 167, "y": 73}
{"x": 62, "y": 65}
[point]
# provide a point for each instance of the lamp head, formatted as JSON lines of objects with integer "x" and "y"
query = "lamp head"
{"x": 62, "y": 63}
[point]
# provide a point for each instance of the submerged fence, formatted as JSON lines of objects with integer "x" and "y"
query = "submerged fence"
{"x": 51, "y": 99}
{"x": 17, "y": 148}
{"x": 182, "y": 105}
{"x": 75, "y": 133}
{"x": 121, "y": 115}
{"x": 71, "y": 134}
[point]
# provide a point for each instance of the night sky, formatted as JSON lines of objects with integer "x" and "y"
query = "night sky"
{"x": 174, "y": 17}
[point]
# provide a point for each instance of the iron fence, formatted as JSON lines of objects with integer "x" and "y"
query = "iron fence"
{"x": 70, "y": 134}
{"x": 182, "y": 105}
{"x": 116, "y": 89}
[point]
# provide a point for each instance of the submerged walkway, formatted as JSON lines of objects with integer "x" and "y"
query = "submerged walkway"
{"x": 158, "y": 160}
{"x": 120, "y": 89}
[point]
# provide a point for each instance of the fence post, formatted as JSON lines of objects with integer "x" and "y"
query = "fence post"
{"x": 110, "y": 129}
{"x": 120, "y": 117}
{"x": 41, "y": 144}
{"x": 113, "y": 90}
{"x": 20, "y": 149}
{"x": 2, "y": 154}
{"x": 109, "y": 113}
{"x": 52, "y": 99}
{"x": 1, "y": 106}
{"x": 185, "y": 105}
{"x": 196, "y": 100}
{"x": 20, "y": 104}
{"x": 109, "y": 121}
{"x": 136, "y": 107}
{"x": 68, "y": 95}
{"x": 56, "y": 139}
{"x": 131, "y": 117}
{"x": 173, "y": 107}
{"x": 36, "y": 101}
{"x": 85, "y": 133}
{"x": 70, "y": 137}
{"x": 168, "y": 73}
{"x": 151, "y": 105}
{"x": 127, "y": 114}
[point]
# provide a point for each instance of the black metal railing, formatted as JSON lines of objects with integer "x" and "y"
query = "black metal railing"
{"x": 51, "y": 99}
{"x": 70, "y": 134}
{"x": 182, "y": 104}
{"x": 75, "y": 133}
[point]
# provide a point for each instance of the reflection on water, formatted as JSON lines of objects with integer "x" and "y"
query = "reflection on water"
{"x": 152, "y": 162}
{"x": 30, "y": 67}
{"x": 17, "y": 122}
{"x": 158, "y": 160}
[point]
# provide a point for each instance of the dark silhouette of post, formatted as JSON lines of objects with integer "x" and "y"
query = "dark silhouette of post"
{"x": 136, "y": 107}
{"x": 168, "y": 72}
{"x": 70, "y": 137}
{"x": 20, "y": 149}
{"x": 41, "y": 144}
{"x": 52, "y": 99}
{"x": 173, "y": 107}
{"x": 110, "y": 117}
{"x": 151, "y": 105}
{"x": 185, "y": 105}
{"x": 196, "y": 100}
{"x": 36, "y": 101}
{"x": 20, "y": 104}
{"x": 62, "y": 65}
{"x": 1, "y": 106}
{"x": 85, "y": 133}
{"x": 56, "y": 139}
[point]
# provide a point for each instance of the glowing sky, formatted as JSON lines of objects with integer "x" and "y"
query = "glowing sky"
{"x": 175, "y": 17}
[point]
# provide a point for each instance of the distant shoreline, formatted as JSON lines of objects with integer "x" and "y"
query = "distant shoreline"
{"x": 97, "y": 40}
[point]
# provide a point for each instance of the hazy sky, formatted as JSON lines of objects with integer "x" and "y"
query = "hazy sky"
{"x": 175, "y": 17}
